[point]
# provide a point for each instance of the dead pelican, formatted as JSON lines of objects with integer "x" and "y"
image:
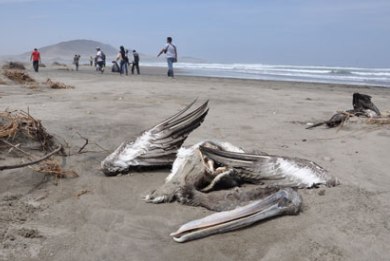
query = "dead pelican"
{"x": 263, "y": 186}
{"x": 284, "y": 202}
{"x": 157, "y": 146}
{"x": 362, "y": 106}
{"x": 211, "y": 165}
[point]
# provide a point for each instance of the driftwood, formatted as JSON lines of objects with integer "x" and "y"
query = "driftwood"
{"x": 31, "y": 162}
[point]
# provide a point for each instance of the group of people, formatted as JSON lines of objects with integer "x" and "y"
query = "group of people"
{"x": 123, "y": 58}
{"x": 169, "y": 50}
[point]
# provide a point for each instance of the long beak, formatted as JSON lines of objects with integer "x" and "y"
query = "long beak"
{"x": 285, "y": 201}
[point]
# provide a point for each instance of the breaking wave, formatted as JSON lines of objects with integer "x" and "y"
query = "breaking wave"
{"x": 321, "y": 74}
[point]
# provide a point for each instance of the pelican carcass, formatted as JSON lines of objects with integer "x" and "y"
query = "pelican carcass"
{"x": 261, "y": 186}
{"x": 210, "y": 165}
{"x": 362, "y": 107}
{"x": 157, "y": 146}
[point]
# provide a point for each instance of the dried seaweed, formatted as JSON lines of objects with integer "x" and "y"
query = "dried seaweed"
{"x": 52, "y": 167}
{"x": 19, "y": 125}
{"x": 14, "y": 65}
{"x": 18, "y": 76}
{"x": 58, "y": 85}
{"x": 379, "y": 121}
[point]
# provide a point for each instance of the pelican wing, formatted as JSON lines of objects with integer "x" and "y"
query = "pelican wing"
{"x": 272, "y": 170}
{"x": 158, "y": 145}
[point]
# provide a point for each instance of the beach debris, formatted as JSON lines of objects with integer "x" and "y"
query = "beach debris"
{"x": 22, "y": 133}
{"x": 58, "y": 85}
{"x": 15, "y": 166}
{"x": 362, "y": 107}
{"x": 14, "y": 65}
{"x": 379, "y": 121}
{"x": 51, "y": 167}
{"x": 82, "y": 192}
{"x": 59, "y": 64}
{"x": 18, "y": 76}
{"x": 157, "y": 146}
{"x": 21, "y": 127}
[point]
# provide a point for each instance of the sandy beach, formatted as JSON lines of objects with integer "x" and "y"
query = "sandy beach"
{"x": 94, "y": 217}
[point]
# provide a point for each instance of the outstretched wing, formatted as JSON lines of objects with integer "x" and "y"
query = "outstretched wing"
{"x": 362, "y": 102}
{"x": 158, "y": 145}
{"x": 272, "y": 170}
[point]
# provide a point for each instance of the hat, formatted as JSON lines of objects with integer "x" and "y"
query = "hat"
{"x": 97, "y": 48}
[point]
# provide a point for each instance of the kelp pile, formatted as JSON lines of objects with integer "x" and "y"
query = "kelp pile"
{"x": 14, "y": 65}
{"x": 20, "y": 127}
{"x": 18, "y": 76}
{"x": 58, "y": 85}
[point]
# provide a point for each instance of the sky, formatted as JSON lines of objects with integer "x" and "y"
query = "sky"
{"x": 350, "y": 33}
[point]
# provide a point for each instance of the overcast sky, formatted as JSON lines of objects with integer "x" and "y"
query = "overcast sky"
{"x": 293, "y": 32}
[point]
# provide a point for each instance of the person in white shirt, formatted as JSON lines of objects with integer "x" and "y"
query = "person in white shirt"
{"x": 171, "y": 54}
{"x": 100, "y": 59}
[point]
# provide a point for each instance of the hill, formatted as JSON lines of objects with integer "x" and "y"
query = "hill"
{"x": 82, "y": 47}
{"x": 64, "y": 52}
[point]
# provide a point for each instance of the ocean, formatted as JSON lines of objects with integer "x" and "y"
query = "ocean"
{"x": 315, "y": 74}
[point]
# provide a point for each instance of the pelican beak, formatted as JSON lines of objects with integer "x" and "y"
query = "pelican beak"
{"x": 284, "y": 202}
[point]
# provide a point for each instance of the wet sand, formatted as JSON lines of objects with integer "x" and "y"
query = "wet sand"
{"x": 94, "y": 217}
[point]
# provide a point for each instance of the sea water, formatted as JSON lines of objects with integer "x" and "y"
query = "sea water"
{"x": 314, "y": 74}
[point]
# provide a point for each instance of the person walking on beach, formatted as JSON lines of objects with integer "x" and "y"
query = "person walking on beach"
{"x": 76, "y": 60}
{"x": 171, "y": 54}
{"x": 91, "y": 60}
{"x": 36, "y": 59}
{"x": 99, "y": 60}
{"x": 135, "y": 63}
{"x": 124, "y": 60}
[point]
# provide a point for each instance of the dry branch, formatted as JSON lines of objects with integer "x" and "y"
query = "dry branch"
{"x": 31, "y": 162}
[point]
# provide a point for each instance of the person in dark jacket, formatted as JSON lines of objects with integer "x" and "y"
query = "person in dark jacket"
{"x": 135, "y": 62}
{"x": 124, "y": 60}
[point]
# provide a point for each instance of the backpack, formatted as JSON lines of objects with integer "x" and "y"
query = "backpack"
{"x": 103, "y": 56}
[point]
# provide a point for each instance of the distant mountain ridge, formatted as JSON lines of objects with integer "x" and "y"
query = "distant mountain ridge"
{"x": 64, "y": 52}
{"x": 70, "y": 48}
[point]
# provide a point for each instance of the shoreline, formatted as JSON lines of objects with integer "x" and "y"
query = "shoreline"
{"x": 161, "y": 71}
{"x": 187, "y": 72}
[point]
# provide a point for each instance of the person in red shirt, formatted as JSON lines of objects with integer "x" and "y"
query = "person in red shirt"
{"x": 35, "y": 58}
